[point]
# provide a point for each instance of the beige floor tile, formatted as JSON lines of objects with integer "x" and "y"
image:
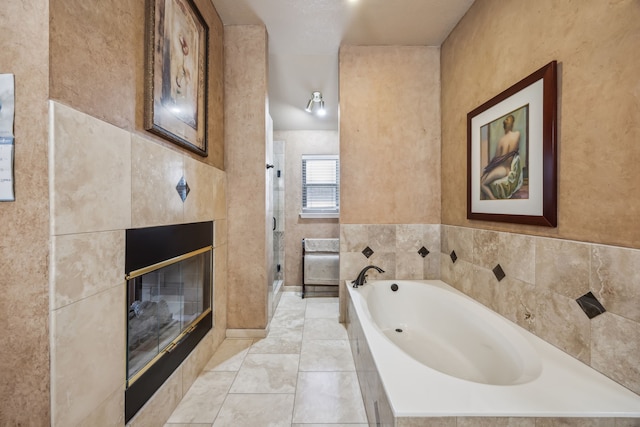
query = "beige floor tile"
{"x": 328, "y": 397}
{"x": 204, "y": 399}
{"x": 321, "y": 300}
{"x": 287, "y": 319}
{"x": 291, "y": 302}
{"x": 328, "y": 425}
{"x": 322, "y": 311}
{"x": 282, "y": 378}
{"x": 290, "y": 333}
{"x": 324, "y": 329}
{"x": 191, "y": 425}
{"x": 267, "y": 373}
{"x": 256, "y": 410}
{"x": 326, "y": 355}
{"x": 229, "y": 356}
{"x": 289, "y": 312}
{"x": 277, "y": 345}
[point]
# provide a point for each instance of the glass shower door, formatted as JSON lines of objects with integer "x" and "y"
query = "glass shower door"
{"x": 278, "y": 218}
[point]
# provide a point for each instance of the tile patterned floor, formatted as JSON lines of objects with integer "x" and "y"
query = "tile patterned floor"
{"x": 301, "y": 375}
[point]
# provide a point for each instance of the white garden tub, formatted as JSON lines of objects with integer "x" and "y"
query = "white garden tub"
{"x": 439, "y": 353}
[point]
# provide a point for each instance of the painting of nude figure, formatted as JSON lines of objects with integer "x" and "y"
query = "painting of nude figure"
{"x": 512, "y": 153}
{"x": 179, "y": 91}
{"x": 503, "y": 156}
{"x": 175, "y": 92}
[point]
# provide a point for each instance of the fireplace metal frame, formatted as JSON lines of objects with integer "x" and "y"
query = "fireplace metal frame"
{"x": 149, "y": 249}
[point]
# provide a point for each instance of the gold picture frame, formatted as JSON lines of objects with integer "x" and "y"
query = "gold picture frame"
{"x": 176, "y": 45}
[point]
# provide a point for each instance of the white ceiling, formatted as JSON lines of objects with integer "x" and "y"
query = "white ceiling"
{"x": 305, "y": 36}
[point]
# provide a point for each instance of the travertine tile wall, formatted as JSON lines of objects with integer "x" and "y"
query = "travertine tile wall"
{"x": 375, "y": 399}
{"x": 104, "y": 180}
{"x": 544, "y": 276}
{"x": 395, "y": 249}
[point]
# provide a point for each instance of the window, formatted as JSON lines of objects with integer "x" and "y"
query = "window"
{"x": 320, "y": 186}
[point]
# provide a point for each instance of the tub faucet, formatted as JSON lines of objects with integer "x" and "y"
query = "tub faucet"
{"x": 362, "y": 277}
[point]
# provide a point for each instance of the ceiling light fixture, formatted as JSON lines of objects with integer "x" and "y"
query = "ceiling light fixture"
{"x": 316, "y": 98}
{"x": 309, "y": 106}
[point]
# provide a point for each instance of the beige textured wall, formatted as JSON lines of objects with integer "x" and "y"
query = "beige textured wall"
{"x": 390, "y": 135}
{"x": 245, "y": 136}
{"x": 24, "y": 245}
{"x": 97, "y": 66}
{"x": 596, "y": 44}
{"x": 298, "y": 143}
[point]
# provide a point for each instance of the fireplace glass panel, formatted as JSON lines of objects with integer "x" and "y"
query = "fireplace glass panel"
{"x": 162, "y": 304}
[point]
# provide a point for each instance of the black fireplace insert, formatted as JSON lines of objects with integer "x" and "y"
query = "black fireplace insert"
{"x": 169, "y": 277}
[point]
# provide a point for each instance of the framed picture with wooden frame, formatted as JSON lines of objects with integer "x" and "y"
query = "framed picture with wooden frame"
{"x": 176, "y": 43}
{"x": 512, "y": 153}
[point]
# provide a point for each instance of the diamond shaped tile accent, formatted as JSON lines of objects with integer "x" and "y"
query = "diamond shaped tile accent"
{"x": 367, "y": 252}
{"x": 453, "y": 256}
{"x": 423, "y": 252}
{"x": 183, "y": 189}
{"x": 499, "y": 272}
{"x": 590, "y": 305}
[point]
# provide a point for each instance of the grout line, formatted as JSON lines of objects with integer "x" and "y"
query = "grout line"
{"x": 299, "y": 354}
{"x": 295, "y": 397}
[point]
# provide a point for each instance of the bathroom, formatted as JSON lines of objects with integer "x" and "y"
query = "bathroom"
{"x": 403, "y": 165}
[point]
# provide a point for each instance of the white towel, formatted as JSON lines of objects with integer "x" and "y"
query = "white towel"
{"x": 321, "y": 269}
{"x": 322, "y": 245}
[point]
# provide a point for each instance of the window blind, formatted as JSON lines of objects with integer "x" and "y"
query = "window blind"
{"x": 320, "y": 184}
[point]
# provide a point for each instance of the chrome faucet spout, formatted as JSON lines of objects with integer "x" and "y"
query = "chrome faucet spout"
{"x": 362, "y": 276}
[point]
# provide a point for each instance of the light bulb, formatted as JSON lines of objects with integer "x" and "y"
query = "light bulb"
{"x": 321, "y": 111}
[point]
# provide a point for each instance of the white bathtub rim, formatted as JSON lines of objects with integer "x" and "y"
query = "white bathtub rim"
{"x": 566, "y": 387}
{"x": 520, "y": 350}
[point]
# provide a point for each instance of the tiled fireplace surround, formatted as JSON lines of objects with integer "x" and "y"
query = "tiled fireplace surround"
{"x": 105, "y": 180}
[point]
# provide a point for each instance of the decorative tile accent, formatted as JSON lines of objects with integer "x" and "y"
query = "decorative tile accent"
{"x": 499, "y": 272}
{"x": 367, "y": 252}
{"x": 590, "y": 305}
{"x": 183, "y": 188}
{"x": 453, "y": 256}
{"x": 423, "y": 252}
